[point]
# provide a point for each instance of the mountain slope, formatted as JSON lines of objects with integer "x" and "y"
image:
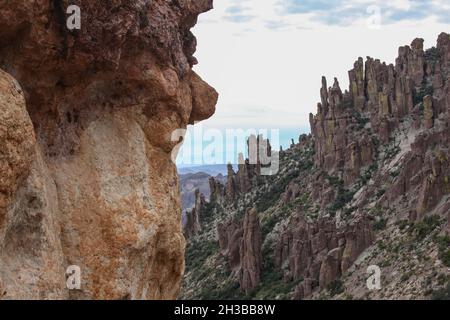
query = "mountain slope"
{"x": 367, "y": 190}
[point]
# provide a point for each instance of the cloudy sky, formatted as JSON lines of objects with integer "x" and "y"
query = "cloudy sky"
{"x": 266, "y": 57}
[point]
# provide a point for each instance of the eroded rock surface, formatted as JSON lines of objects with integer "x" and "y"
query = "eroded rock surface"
{"x": 368, "y": 188}
{"x": 251, "y": 257}
{"x": 192, "y": 225}
{"x": 86, "y": 171}
{"x": 320, "y": 251}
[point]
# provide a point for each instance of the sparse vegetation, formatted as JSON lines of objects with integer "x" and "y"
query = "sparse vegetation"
{"x": 406, "y": 276}
{"x": 391, "y": 150}
{"x": 402, "y": 224}
{"x": 269, "y": 222}
{"x": 272, "y": 285}
{"x": 432, "y": 56}
{"x": 441, "y": 294}
{"x": 367, "y": 175}
{"x": 198, "y": 251}
{"x": 271, "y": 197}
{"x": 443, "y": 243}
{"x": 380, "y": 193}
{"x": 425, "y": 89}
{"x": 229, "y": 290}
{"x": 360, "y": 120}
{"x": 336, "y": 287}
{"x": 380, "y": 224}
{"x": 208, "y": 213}
{"x": 425, "y": 227}
{"x": 343, "y": 195}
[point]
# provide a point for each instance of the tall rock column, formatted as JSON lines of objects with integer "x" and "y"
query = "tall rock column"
{"x": 193, "y": 218}
{"x": 231, "y": 186}
{"x": 357, "y": 88}
{"x": 251, "y": 257}
{"x": 428, "y": 112}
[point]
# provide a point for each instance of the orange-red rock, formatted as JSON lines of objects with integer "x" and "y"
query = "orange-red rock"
{"x": 98, "y": 189}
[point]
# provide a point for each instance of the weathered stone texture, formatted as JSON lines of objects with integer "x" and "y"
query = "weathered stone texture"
{"x": 98, "y": 189}
{"x": 251, "y": 257}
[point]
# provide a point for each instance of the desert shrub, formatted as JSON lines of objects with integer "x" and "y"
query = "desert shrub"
{"x": 348, "y": 296}
{"x": 350, "y": 210}
{"x": 270, "y": 221}
{"x": 424, "y": 90}
{"x": 377, "y": 210}
{"x": 445, "y": 257}
{"x": 226, "y": 291}
{"x": 336, "y": 287}
{"x": 208, "y": 213}
{"x": 441, "y": 294}
{"x": 432, "y": 54}
{"x": 392, "y": 150}
{"x": 394, "y": 174}
{"x": 197, "y": 252}
{"x": 343, "y": 195}
{"x": 443, "y": 243}
{"x": 306, "y": 165}
{"x": 360, "y": 119}
{"x": 406, "y": 276}
{"x": 380, "y": 193}
{"x": 402, "y": 224}
{"x": 268, "y": 224}
{"x": 443, "y": 279}
{"x": 240, "y": 214}
{"x": 380, "y": 224}
{"x": 335, "y": 182}
{"x": 424, "y": 227}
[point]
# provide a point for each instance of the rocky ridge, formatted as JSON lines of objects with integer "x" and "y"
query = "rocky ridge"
{"x": 368, "y": 187}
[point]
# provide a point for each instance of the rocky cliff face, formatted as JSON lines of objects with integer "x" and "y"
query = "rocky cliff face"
{"x": 85, "y": 146}
{"x": 368, "y": 188}
{"x": 319, "y": 251}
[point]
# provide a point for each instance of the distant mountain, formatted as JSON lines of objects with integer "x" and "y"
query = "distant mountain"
{"x": 212, "y": 170}
{"x": 190, "y": 182}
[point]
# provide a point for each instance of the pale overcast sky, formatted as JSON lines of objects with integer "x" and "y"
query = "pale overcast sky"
{"x": 266, "y": 57}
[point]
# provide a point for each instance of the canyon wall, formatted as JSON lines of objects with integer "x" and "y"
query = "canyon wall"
{"x": 86, "y": 118}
